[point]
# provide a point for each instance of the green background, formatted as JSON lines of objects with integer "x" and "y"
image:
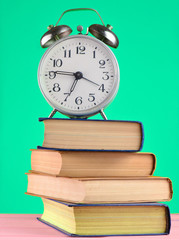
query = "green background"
{"x": 148, "y": 57}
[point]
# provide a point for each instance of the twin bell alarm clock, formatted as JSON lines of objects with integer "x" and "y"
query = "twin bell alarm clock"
{"x": 78, "y": 74}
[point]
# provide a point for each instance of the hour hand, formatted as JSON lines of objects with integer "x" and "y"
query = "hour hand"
{"x": 65, "y": 73}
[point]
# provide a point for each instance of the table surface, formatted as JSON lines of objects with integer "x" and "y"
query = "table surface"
{"x": 26, "y": 226}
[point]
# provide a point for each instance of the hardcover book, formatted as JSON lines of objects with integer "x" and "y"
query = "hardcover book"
{"x": 106, "y": 219}
{"x": 92, "y": 163}
{"x": 72, "y": 134}
{"x": 100, "y": 190}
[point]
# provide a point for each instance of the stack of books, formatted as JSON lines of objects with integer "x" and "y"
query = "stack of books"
{"x": 93, "y": 180}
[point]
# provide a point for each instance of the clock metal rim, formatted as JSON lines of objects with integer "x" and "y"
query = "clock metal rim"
{"x": 103, "y": 104}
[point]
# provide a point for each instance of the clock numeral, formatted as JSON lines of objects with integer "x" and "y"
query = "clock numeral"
{"x": 56, "y": 87}
{"x": 68, "y": 94}
{"x": 102, "y": 63}
{"x": 101, "y": 88}
{"x": 106, "y": 76}
{"x": 67, "y": 53}
{"x": 80, "y": 50}
{"x": 78, "y": 100}
{"x": 52, "y": 74}
{"x": 57, "y": 62}
{"x": 94, "y": 54}
{"x": 91, "y": 97}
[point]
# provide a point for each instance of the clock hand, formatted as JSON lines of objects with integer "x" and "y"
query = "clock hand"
{"x": 73, "y": 85}
{"x": 72, "y": 88}
{"x": 65, "y": 73}
{"x": 78, "y": 75}
{"x": 73, "y": 74}
{"x": 90, "y": 81}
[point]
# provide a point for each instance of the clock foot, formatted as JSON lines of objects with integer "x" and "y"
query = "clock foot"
{"x": 52, "y": 113}
{"x": 103, "y": 115}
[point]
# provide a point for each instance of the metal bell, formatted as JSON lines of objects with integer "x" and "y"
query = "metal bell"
{"x": 104, "y": 34}
{"x": 54, "y": 34}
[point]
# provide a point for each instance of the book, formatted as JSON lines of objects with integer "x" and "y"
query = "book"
{"x": 92, "y": 163}
{"x": 103, "y": 190}
{"x": 72, "y": 134}
{"x": 105, "y": 220}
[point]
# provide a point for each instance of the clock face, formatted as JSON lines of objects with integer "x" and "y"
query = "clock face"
{"x": 78, "y": 75}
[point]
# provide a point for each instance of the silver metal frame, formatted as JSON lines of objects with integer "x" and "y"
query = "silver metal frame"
{"x": 97, "y": 109}
{"x": 79, "y": 9}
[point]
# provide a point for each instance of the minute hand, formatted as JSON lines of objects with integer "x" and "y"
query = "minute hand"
{"x": 90, "y": 81}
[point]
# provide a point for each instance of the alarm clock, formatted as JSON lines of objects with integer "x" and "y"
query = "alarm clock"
{"x": 79, "y": 75}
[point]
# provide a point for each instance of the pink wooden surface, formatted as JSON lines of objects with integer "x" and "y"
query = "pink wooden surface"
{"x": 25, "y": 226}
